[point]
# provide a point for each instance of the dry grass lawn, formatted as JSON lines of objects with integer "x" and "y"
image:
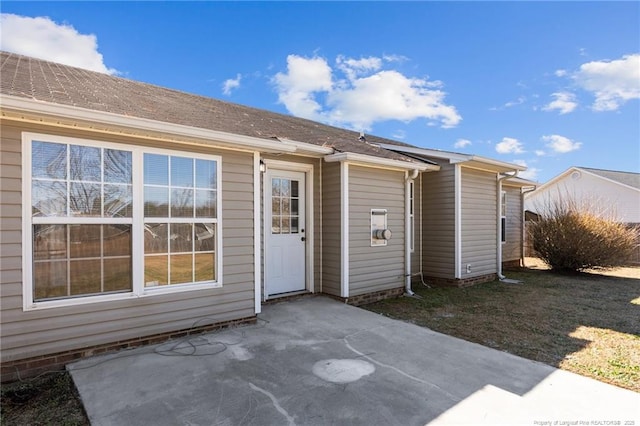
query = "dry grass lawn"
{"x": 587, "y": 323}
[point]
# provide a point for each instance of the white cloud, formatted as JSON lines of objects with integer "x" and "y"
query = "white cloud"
{"x": 519, "y": 101}
{"x": 231, "y": 84}
{"x": 42, "y": 38}
{"x": 612, "y": 82}
{"x": 565, "y": 102}
{"x": 359, "y": 92}
{"x": 461, "y": 143}
{"x": 540, "y": 153}
{"x": 509, "y": 146}
{"x": 531, "y": 173}
{"x": 399, "y": 134}
{"x": 561, "y": 144}
{"x": 560, "y": 73}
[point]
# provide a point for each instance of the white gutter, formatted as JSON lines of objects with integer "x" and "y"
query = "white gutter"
{"x": 136, "y": 126}
{"x": 407, "y": 230}
{"x": 369, "y": 160}
{"x": 499, "y": 215}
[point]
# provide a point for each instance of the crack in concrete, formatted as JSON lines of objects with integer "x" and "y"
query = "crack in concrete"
{"x": 275, "y": 403}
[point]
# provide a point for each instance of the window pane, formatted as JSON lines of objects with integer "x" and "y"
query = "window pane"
{"x": 204, "y": 237}
{"x": 156, "y": 270}
{"x": 181, "y": 172}
{"x": 275, "y": 225}
{"x": 275, "y": 187}
{"x": 294, "y": 206}
{"x": 85, "y": 199}
{"x": 294, "y": 224}
{"x": 118, "y": 201}
{"x": 206, "y": 174}
{"x": 49, "y": 280}
{"x": 285, "y": 225}
{"x": 205, "y": 267}
{"x": 156, "y": 202}
{"x": 294, "y": 188}
{"x": 49, "y": 198}
{"x": 117, "y": 274}
{"x": 117, "y": 166}
{"x": 85, "y": 240}
{"x": 116, "y": 240}
{"x": 156, "y": 238}
{"x": 49, "y": 160}
{"x": 284, "y": 189}
{"x": 181, "y": 269}
{"x": 85, "y": 163}
{"x": 182, "y": 203}
{"x": 156, "y": 169}
{"x": 86, "y": 276}
{"x": 205, "y": 203}
{"x": 275, "y": 205}
{"x": 285, "y": 206}
{"x": 181, "y": 237}
{"x": 49, "y": 242}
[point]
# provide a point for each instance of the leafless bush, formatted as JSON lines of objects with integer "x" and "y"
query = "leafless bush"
{"x": 572, "y": 236}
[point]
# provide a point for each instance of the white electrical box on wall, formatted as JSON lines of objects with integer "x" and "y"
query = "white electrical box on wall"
{"x": 379, "y": 232}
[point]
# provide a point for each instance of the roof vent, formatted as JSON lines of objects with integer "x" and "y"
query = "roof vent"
{"x": 361, "y": 138}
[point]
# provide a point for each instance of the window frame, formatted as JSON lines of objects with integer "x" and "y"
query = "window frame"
{"x": 136, "y": 221}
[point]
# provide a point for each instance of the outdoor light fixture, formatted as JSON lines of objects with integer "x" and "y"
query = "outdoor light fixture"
{"x": 263, "y": 167}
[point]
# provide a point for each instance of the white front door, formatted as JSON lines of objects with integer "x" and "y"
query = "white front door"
{"x": 285, "y": 246}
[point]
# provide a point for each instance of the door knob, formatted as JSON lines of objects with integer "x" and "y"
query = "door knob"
{"x": 303, "y": 239}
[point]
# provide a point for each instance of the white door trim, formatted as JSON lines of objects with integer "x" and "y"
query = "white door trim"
{"x": 308, "y": 170}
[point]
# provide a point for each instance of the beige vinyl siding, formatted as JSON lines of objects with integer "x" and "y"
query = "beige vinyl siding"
{"x": 512, "y": 248}
{"x": 438, "y": 222}
{"x": 479, "y": 222}
{"x": 375, "y": 268}
{"x": 331, "y": 229}
{"x": 39, "y": 332}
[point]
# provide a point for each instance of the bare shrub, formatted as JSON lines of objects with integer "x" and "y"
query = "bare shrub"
{"x": 571, "y": 236}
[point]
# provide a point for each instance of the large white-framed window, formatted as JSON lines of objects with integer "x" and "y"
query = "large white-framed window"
{"x": 109, "y": 221}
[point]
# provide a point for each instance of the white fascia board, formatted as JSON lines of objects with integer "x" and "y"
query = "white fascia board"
{"x": 307, "y": 148}
{"x": 231, "y": 140}
{"x": 369, "y": 160}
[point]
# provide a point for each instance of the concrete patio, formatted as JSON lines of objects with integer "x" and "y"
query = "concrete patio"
{"x": 315, "y": 361}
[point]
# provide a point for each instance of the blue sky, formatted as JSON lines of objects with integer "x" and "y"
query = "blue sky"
{"x": 545, "y": 84}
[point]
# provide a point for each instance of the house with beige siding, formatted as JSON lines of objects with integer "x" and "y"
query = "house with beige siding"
{"x": 131, "y": 213}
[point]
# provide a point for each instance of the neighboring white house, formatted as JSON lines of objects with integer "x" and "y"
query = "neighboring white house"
{"x": 614, "y": 193}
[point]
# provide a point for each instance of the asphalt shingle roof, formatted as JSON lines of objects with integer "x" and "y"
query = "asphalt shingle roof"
{"x": 45, "y": 81}
{"x": 626, "y": 178}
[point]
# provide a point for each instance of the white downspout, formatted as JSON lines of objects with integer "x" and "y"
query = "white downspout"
{"x": 407, "y": 230}
{"x": 499, "y": 215}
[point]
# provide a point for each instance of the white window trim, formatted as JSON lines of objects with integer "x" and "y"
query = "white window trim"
{"x": 137, "y": 224}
